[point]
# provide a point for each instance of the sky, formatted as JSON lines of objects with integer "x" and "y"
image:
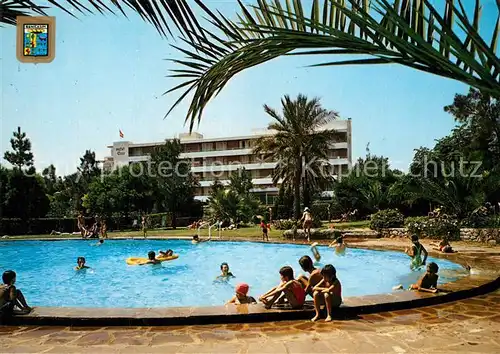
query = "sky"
{"x": 110, "y": 72}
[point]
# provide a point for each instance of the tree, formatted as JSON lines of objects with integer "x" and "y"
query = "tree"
{"x": 412, "y": 33}
{"x": 297, "y": 143}
{"x": 25, "y": 196}
{"x": 154, "y": 12}
{"x": 479, "y": 117}
{"x": 21, "y": 156}
{"x": 366, "y": 187}
{"x": 175, "y": 183}
{"x": 89, "y": 167}
{"x": 50, "y": 178}
{"x": 236, "y": 202}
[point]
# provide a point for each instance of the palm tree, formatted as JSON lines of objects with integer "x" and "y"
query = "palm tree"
{"x": 152, "y": 11}
{"x": 413, "y": 33}
{"x": 299, "y": 146}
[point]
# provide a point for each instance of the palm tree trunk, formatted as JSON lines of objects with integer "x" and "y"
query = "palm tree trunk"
{"x": 296, "y": 188}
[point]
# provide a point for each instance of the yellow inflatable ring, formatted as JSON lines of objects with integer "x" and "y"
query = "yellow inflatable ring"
{"x": 140, "y": 260}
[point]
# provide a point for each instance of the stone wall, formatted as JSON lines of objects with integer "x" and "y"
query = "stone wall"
{"x": 491, "y": 236}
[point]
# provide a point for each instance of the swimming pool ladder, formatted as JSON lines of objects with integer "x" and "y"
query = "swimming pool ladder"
{"x": 219, "y": 230}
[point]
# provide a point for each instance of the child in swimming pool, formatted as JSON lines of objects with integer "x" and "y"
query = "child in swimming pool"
{"x": 197, "y": 240}
{"x": 289, "y": 289}
{"x": 80, "y": 261}
{"x": 151, "y": 258}
{"x": 428, "y": 283}
{"x": 241, "y": 296}
{"x": 339, "y": 245}
{"x": 225, "y": 273}
{"x": 416, "y": 253}
{"x": 327, "y": 292}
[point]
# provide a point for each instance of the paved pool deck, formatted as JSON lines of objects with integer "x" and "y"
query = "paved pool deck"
{"x": 466, "y": 326}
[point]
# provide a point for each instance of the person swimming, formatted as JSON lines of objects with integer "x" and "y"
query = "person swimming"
{"x": 339, "y": 245}
{"x": 225, "y": 273}
{"x": 80, "y": 261}
{"x": 151, "y": 259}
{"x": 196, "y": 240}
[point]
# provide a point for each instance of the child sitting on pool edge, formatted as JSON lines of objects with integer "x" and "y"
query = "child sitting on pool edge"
{"x": 241, "y": 296}
{"x": 289, "y": 289}
{"x": 428, "y": 283}
{"x": 327, "y": 292}
{"x": 80, "y": 261}
{"x": 10, "y": 297}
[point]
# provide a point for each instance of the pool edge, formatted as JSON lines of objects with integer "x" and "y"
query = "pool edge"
{"x": 487, "y": 280}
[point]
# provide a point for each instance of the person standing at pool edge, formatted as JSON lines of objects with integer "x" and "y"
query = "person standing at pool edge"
{"x": 307, "y": 218}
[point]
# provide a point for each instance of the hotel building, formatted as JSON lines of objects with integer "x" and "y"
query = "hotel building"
{"x": 217, "y": 158}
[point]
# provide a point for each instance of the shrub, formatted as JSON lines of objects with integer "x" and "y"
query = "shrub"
{"x": 479, "y": 218}
{"x": 385, "y": 219}
{"x": 434, "y": 227}
{"x": 320, "y": 210}
{"x": 286, "y": 224}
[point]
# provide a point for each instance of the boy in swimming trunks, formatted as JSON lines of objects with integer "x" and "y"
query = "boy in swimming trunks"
{"x": 307, "y": 224}
{"x": 263, "y": 226}
{"x": 416, "y": 252}
{"x": 151, "y": 258}
{"x": 315, "y": 277}
{"x": 241, "y": 296}
{"x": 289, "y": 289}
{"x": 428, "y": 283}
{"x": 10, "y": 297}
{"x": 327, "y": 292}
{"x": 80, "y": 261}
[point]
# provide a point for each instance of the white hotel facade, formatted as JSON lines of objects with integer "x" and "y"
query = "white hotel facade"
{"x": 217, "y": 158}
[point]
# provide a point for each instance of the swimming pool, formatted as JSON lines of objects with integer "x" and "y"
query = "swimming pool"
{"x": 46, "y": 274}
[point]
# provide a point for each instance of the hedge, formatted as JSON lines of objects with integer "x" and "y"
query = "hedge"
{"x": 385, "y": 219}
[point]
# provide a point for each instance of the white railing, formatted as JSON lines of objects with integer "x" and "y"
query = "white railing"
{"x": 219, "y": 233}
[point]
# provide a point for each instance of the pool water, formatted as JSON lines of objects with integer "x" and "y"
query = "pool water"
{"x": 45, "y": 271}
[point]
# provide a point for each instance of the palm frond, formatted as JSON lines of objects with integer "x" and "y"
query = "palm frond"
{"x": 410, "y": 32}
{"x": 157, "y": 12}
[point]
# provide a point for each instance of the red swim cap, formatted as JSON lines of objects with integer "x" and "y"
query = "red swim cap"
{"x": 242, "y": 289}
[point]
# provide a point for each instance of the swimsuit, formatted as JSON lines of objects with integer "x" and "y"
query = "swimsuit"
{"x": 416, "y": 261}
{"x": 299, "y": 293}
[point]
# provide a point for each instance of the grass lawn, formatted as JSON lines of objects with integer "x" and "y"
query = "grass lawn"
{"x": 246, "y": 232}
